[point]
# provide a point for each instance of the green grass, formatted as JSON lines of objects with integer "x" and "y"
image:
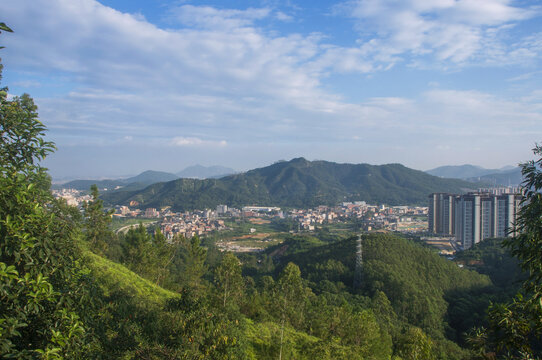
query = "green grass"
{"x": 264, "y": 341}
{"x": 116, "y": 277}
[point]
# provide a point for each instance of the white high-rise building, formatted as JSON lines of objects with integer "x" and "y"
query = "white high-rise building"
{"x": 473, "y": 217}
{"x": 481, "y": 216}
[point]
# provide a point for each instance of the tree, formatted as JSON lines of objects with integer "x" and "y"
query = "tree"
{"x": 164, "y": 254}
{"x": 137, "y": 253}
{"x": 527, "y": 246}
{"x": 291, "y": 295}
{"x": 96, "y": 222}
{"x": 414, "y": 344}
{"x": 515, "y": 329}
{"x": 41, "y": 280}
{"x": 192, "y": 266}
{"x": 229, "y": 280}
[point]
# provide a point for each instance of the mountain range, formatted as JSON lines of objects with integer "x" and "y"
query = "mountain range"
{"x": 147, "y": 178}
{"x": 205, "y": 172}
{"x": 506, "y": 176}
{"x": 296, "y": 183}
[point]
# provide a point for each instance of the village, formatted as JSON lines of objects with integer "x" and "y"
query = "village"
{"x": 407, "y": 219}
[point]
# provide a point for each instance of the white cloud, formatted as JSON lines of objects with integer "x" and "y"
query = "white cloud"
{"x": 212, "y": 18}
{"x": 222, "y": 81}
{"x": 193, "y": 141}
{"x": 279, "y": 15}
{"x": 453, "y": 31}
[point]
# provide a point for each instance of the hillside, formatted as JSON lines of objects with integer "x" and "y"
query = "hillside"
{"x": 297, "y": 183}
{"x": 137, "y": 182}
{"x": 506, "y": 176}
{"x": 151, "y": 177}
{"x": 460, "y": 171}
{"x": 205, "y": 172}
{"x": 415, "y": 279}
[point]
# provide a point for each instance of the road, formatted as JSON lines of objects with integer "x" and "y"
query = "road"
{"x": 125, "y": 229}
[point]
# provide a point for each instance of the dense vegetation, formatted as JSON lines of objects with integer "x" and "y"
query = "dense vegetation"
{"x": 296, "y": 183}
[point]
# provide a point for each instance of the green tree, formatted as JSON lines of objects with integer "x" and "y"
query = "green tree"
{"x": 193, "y": 264}
{"x": 164, "y": 254}
{"x": 41, "y": 280}
{"x": 515, "y": 329}
{"x": 137, "y": 250}
{"x": 414, "y": 344}
{"x": 291, "y": 295}
{"x": 527, "y": 245}
{"x": 96, "y": 222}
{"x": 229, "y": 280}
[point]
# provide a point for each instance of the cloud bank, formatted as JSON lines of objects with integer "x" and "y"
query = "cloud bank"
{"x": 226, "y": 79}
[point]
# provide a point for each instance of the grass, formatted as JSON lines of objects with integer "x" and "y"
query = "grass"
{"x": 114, "y": 277}
{"x": 264, "y": 341}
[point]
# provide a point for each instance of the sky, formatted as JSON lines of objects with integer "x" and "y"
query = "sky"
{"x": 125, "y": 86}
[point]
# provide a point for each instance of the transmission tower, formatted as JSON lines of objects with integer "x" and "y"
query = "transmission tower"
{"x": 358, "y": 274}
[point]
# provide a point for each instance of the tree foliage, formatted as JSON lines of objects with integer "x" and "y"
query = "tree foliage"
{"x": 514, "y": 329}
{"x": 42, "y": 284}
{"x": 527, "y": 245}
{"x": 96, "y": 222}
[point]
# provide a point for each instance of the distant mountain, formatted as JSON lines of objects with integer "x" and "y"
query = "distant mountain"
{"x": 140, "y": 181}
{"x": 205, "y": 172}
{"x": 297, "y": 183}
{"x": 506, "y": 176}
{"x": 151, "y": 177}
{"x": 460, "y": 171}
{"x": 86, "y": 184}
{"x": 503, "y": 178}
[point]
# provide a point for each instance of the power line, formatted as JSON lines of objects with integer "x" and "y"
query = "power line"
{"x": 358, "y": 274}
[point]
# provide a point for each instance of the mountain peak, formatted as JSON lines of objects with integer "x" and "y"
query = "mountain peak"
{"x": 300, "y": 160}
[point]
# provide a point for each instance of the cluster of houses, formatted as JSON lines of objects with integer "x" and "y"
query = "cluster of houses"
{"x": 73, "y": 197}
{"x": 199, "y": 222}
{"x": 371, "y": 216}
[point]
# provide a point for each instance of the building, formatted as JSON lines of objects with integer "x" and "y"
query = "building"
{"x": 441, "y": 215}
{"x": 151, "y": 213}
{"x": 473, "y": 217}
{"x": 221, "y": 209}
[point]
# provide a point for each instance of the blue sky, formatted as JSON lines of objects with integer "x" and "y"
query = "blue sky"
{"x": 127, "y": 86}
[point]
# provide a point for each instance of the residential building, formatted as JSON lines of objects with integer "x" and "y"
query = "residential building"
{"x": 441, "y": 216}
{"x": 473, "y": 217}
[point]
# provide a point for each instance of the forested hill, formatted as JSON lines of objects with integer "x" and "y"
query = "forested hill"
{"x": 415, "y": 279}
{"x": 140, "y": 181}
{"x": 297, "y": 183}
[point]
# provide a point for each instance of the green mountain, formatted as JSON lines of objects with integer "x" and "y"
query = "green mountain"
{"x": 205, "y": 172}
{"x": 296, "y": 183}
{"x": 460, "y": 171}
{"x": 137, "y": 182}
{"x": 417, "y": 281}
{"x": 151, "y": 177}
{"x": 504, "y": 178}
{"x": 86, "y": 184}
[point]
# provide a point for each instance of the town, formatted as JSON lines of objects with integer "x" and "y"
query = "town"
{"x": 407, "y": 219}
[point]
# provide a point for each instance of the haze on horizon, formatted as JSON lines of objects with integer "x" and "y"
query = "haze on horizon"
{"x": 126, "y": 86}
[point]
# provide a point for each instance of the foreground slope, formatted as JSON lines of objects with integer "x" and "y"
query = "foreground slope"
{"x": 297, "y": 183}
{"x": 113, "y": 277}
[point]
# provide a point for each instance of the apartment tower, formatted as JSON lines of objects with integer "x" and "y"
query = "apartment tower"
{"x": 473, "y": 217}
